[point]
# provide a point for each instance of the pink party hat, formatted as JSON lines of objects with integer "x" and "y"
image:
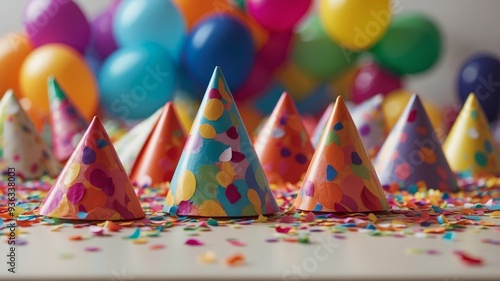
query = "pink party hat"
{"x": 67, "y": 124}
{"x": 93, "y": 184}
{"x": 21, "y": 146}
{"x": 412, "y": 155}
{"x": 219, "y": 174}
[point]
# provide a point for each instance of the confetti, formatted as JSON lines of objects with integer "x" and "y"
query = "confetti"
{"x": 207, "y": 257}
{"x": 449, "y": 236}
{"x": 235, "y": 260}
{"x": 135, "y": 235}
{"x": 467, "y": 259}
{"x": 157, "y": 246}
{"x": 285, "y": 229}
{"x": 235, "y": 242}
{"x": 92, "y": 249}
{"x": 194, "y": 242}
{"x": 212, "y": 222}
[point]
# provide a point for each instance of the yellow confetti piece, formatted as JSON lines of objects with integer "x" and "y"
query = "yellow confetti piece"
{"x": 235, "y": 226}
{"x": 207, "y": 257}
{"x": 373, "y": 218}
{"x": 56, "y": 228}
{"x": 140, "y": 241}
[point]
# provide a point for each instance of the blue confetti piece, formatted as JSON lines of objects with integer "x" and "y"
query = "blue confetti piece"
{"x": 450, "y": 236}
{"x": 370, "y": 226}
{"x": 436, "y": 209}
{"x": 474, "y": 218}
{"x": 441, "y": 219}
{"x": 136, "y": 234}
{"x": 348, "y": 225}
{"x": 81, "y": 215}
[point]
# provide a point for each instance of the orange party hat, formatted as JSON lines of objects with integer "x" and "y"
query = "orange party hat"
{"x": 158, "y": 158}
{"x": 93, "y": 185}
{"x": 283, "y": 146}
{"x": 67, "y": 124}
{"x": 219, "y": 174}
{"x": 412, "y": 154}
{"x": 470, "y": 147}
{"x": 21, "y": 146}
{"x": 341, "y": 177}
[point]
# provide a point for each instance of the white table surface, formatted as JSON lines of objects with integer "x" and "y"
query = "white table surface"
{"x": 357, "y": 257}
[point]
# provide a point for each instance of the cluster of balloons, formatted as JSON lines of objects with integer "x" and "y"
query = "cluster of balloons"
{"x": 135, "y": 55}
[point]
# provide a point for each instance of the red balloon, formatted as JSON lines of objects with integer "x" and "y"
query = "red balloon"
{"x": 257, "y": 81}
{"x": 278, "y": 15}
{"x": 277, "y": 49}
{"x": 372, "y": 80}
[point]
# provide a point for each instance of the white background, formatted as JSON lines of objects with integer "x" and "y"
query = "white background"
{"x": 467, "y": 27}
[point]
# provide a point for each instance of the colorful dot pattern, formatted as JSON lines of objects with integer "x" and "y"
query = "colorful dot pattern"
{"x": 412, "y": 153}
{"x": 283, "y": 146}
{"x": 341, "y": 177}
{"x": 67, "y": 124}
{"x": 93, "y": 183}
{"x": 219, "y": 174}
{"x": 158, "y": 158}
{"x": 20, "y": 144}
{"x": 470, "y": 146}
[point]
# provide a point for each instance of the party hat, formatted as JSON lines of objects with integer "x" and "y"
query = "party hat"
{"x": 470, "y": 147}
{"x": 219, "y": 174}
{"x": 370, "y": 122}
{"x": 412, "y": 156}
{"x": 67, "y": 123}
{"x": 21, "y": 147}
{"x": 341, "y": 177}
{"x": 318, "y": 131}
{"x": 283, "y": 146}
{"x": 93, "y": 185}
{"x": 130, "y": 145}
{"x": 158, "y": 158}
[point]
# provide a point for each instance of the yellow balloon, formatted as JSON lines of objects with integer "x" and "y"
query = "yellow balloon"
{"x": 70, "y": 70}
{"x": 355, "y": 24}
{"x": 394, "y": 104}
{"x": 13, "y": 50}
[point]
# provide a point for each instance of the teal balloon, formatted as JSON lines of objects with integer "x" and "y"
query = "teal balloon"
{"x": 137, "y": 80}
{"x": 317, "y": 55}
{"x": 159, "y": 21}
{"x": 411, "y": 45}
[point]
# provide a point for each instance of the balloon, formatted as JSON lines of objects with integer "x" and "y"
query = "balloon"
{"x": 278, "y": 15}
{"x": 258, "y": 80}
{"x": 159, "y": 21}
{"x": 104, "y": 42}
{"x": 342, "y": 85}
{"x": 480, "y": 74}
{"x": 136, "y": 80}
{"x": 13, "y": 50}
{"x": 94, "y": 61}
{"x": 251, "y": 117}
{"x": 317, "y": 55}
{"x": 355, "y": 24}
{"x": 56, "y": 21}
{"x": 315, "y": 101}
{"x": 298, "y": 84}
{"x": 219, "y": 41}
{"x": 276, "y": 50}
{"x": 372, "y": 80}
{"x": 266, "y": 102}
{"x": 69, "y": 68}
{"x": 394, "y": 104}
{"x": 412, "y": 44}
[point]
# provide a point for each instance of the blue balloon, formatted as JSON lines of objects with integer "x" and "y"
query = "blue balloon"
{"x": 159, "y": 21}
{"x": 480, "y": 75}
{"x": 137, "y": 80}
{"x": 220, "y": 40}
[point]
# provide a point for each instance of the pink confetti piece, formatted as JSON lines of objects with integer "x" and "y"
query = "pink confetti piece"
{"x": 285, "y": 229}
{"x": 286, "y": 219}
{"x": 433, "y": 252}
{"x": 96, "y": 230}
{"x": 336, "y": 236}
{"x": 310, "y": 217}
{"x": 92, "y": 249}
{"x": 194, "y": 242}
{"x": 235, "y": 242}
{"x": 491, "y": 241}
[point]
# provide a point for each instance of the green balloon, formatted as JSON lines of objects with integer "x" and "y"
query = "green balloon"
{"x": 412, "y": 44}
{"x": 317, "y": 55}
{"x": 240, "y": 4}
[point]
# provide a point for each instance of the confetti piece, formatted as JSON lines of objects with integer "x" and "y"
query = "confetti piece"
{"x": 336, "y": 236}
{"x": 157, "y": 246}
{"x": 442, "y": 220}
{"x": 66, "y": 256}
{"x": 285, "y": 229}
{"x": 449, "y": 236}
{"x": 286, "y": 219}
{"x": 96, "y": 230}
{"x": 75, "y": 238}
{"x": 236, "y": 242}
{"x": 491, "y": 241}
{"x": 212, "y": 222}
{"x": 467, "y": 259}
{"x": 56, "y": 228}
{"x": 261, "y": 218}
{"x": 135, "y": 235}
{"x": 373, "y": 218}
{"x": 310, "y": 217}
{"x": 111, "y": 226}
{"x": 414, "y": 251}
{"x": 272, "y": 240}
{"x": 207, "y": 257}
{"x": 140, "y": 241}
{"x": 92, "y": 249}
{"x": 194, "y": 242}
{"x": 235, "y": 260}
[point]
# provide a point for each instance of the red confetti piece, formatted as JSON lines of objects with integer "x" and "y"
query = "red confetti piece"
{"x": 310, "y": 217}
{"x": 235, "y": 260}
{"x": 75, "y": 238}
{"x": 194, "y": 242}
{"x": 280, "y": 229}
{"x": 466, "y": 258}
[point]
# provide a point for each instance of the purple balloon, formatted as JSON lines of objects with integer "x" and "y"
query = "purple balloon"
{"x": 56, "y": 21}
{"x": 104, "y": 42}
{"x": 372, "y": 80}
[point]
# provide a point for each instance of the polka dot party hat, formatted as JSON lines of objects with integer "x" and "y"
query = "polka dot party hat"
{"x": 158, "y": 158}
{"x": 470, "y": 147}
{"x": 283, "y": 146}
{"x": 93, "y": 184}
{"x": 412, "y": 156}
{"x": 68, "y": 125}
{"x": 21, "y": 147}
{"x": 130, "y": 145}
{"x": 341, "y": 177}
{"x": 219, "y": 174}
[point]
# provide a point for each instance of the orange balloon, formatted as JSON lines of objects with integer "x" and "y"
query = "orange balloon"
{"x": 14, "y": 48}
{"x": 69, "y": 69}
{"x": 195, "y": 10}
